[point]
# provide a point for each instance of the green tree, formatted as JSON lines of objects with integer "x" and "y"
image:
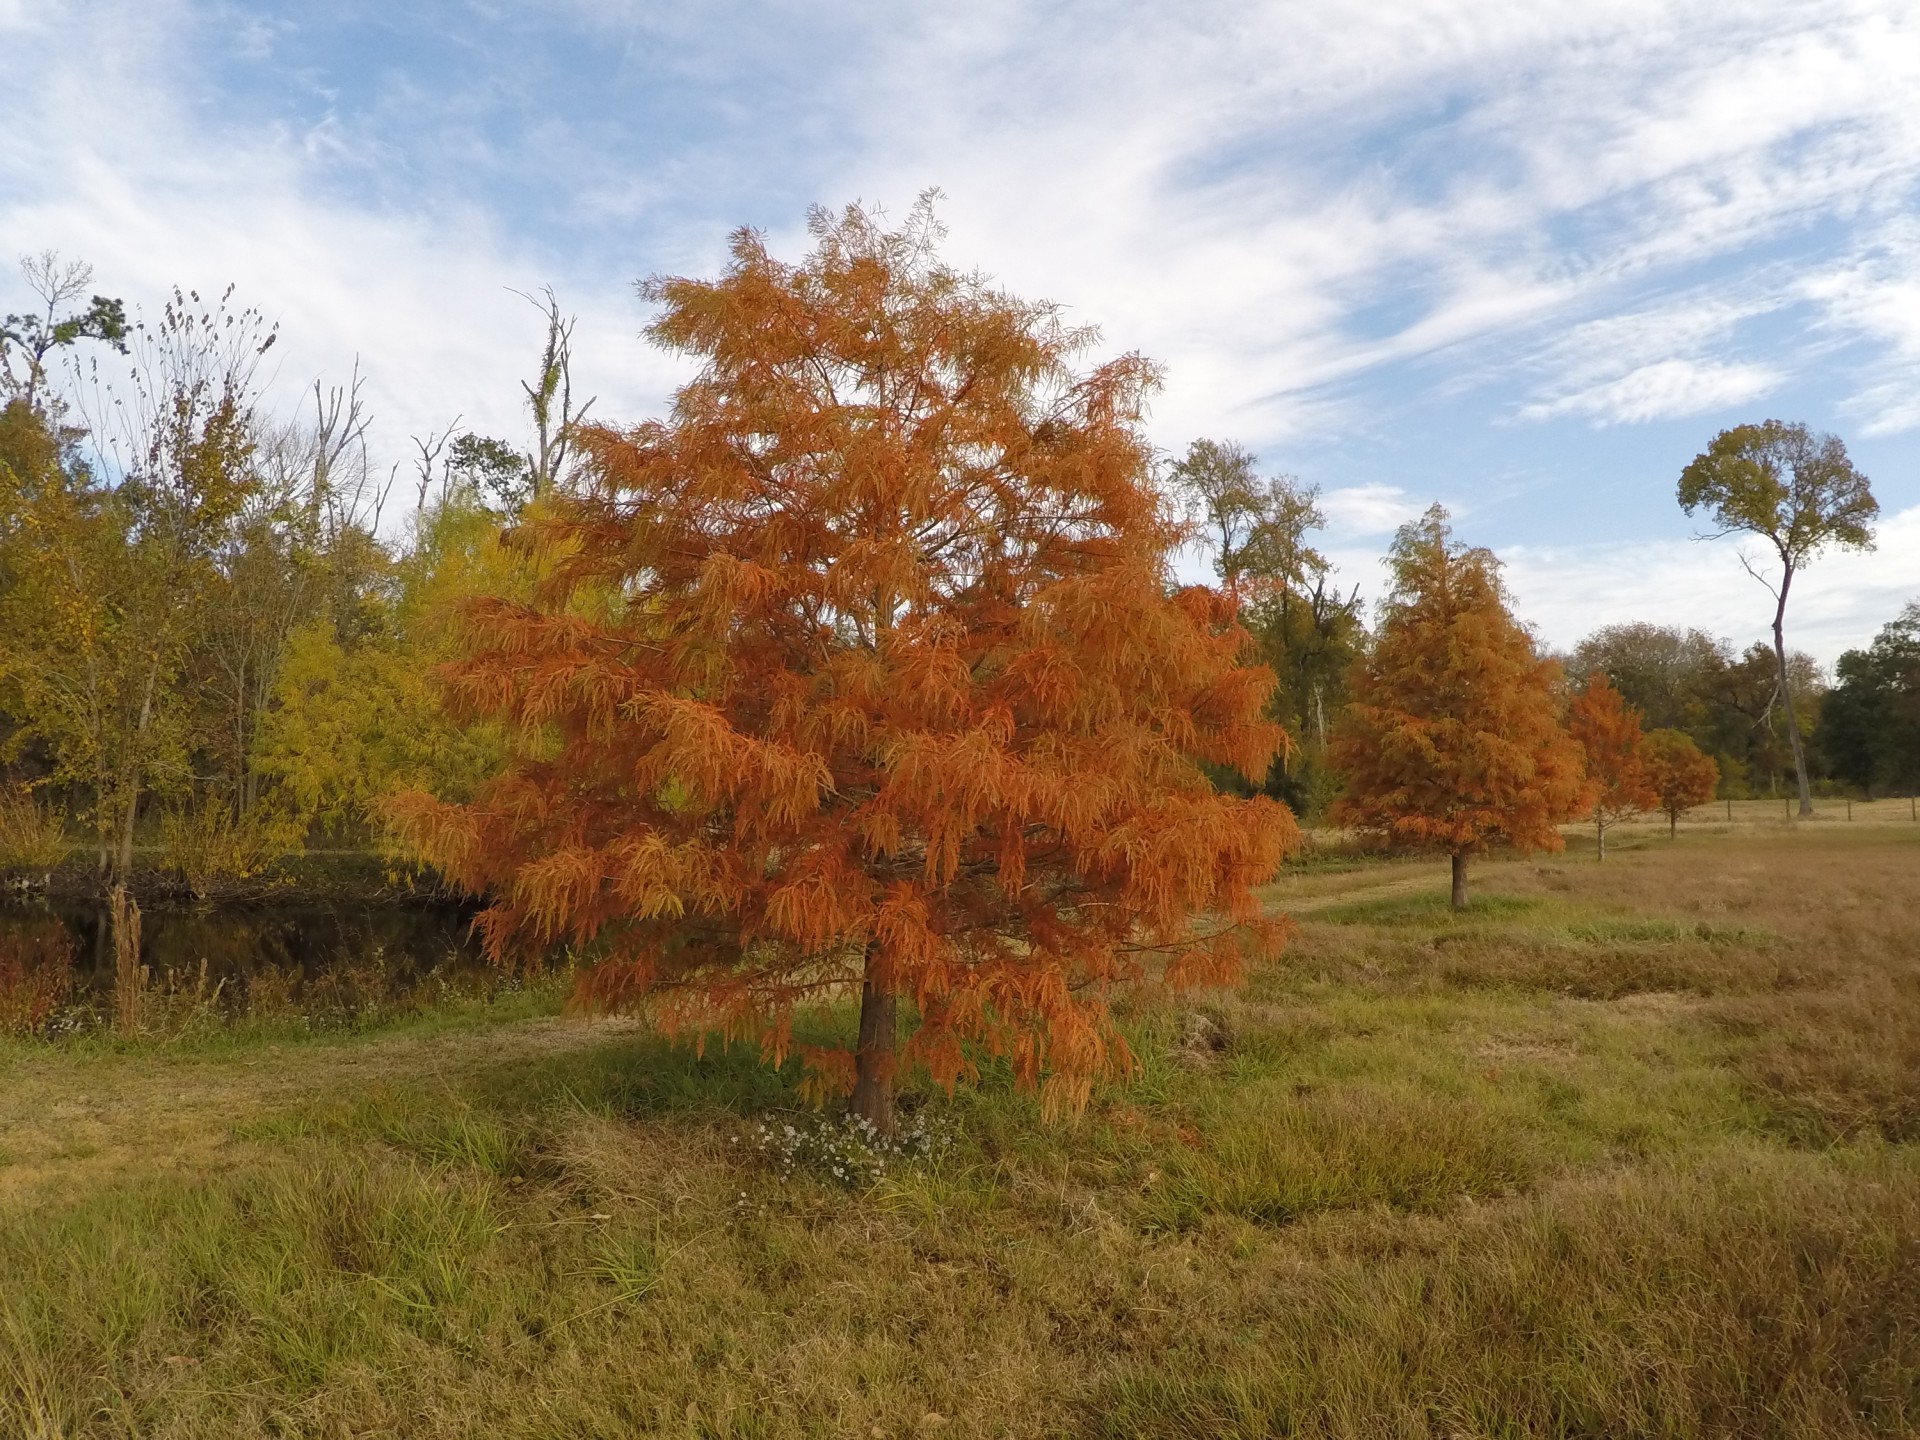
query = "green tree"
{"x": 357, "y": 710}
{"x": 1662, "y": 671}
{"x": 108, "y": 586}
{"x": 1304, "y": 629}
{"x": 1798, "y": 491}
{"x": 492, "y": 471}
{"x": 301, "y": 554}
{"x": 47, "y": 515}
{"x": 27, "y": 339}
{"x": 63, "y": 667}
{"x": 1729, "y": 704}
{"x": 1745, "y": 725}
{"x": 1870, "y": 723}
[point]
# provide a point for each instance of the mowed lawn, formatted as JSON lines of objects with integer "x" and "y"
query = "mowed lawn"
{"x": 1629, "y": 1150}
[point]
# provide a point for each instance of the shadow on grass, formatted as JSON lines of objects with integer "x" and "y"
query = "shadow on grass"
{"x": 637, "y": 1076}
{"x": 1427, "y": 910}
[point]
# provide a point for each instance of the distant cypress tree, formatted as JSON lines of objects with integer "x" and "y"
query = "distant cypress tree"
{"x": 1453, "y": 740}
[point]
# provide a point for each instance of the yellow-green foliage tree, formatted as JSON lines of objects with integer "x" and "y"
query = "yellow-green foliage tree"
{"x": 59, "y": 545}
{"x": 888, "y": 694}
{"x": 1304, "y": 629}
{"x": 358, "y": 711}
{"x": 1678, "y": 774}
{"x": 107, "y": 587}
{"x": 1453, "y": 739}
{"x": 1608, "y": 732}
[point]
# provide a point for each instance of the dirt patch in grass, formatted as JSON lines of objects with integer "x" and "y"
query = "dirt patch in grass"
{"x": 79, "y": 1118}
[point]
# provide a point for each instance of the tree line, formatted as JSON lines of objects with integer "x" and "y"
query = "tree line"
{"x": 864, "y": 669}
{"x": 215, "y": 646}
{"x": 1767, "y": 715}
{"x": 218, "y": 645}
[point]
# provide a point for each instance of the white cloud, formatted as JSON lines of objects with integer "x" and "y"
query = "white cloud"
{"x": 1664, "y": 390}
{"x": 1875, "y": 292}
{"x": 1672, "y": 139}
{"x": 1356, "y": 512}
{"x": 107, "y": 162}
{"x": 1838, "y": 603}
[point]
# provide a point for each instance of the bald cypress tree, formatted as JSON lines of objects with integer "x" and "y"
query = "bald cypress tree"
{"x": 861, "y": 674}
{"x": 1453, "y": 740}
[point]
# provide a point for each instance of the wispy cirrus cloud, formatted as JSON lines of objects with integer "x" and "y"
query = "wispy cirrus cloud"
{"x": 1875, "y": 293}
{"x": 1664, "y": 390}
{"x": 1360, "y": 512}
{"x": 1365, "y": 238}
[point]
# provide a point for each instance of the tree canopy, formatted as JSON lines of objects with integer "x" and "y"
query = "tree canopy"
{"x": 862, "y": 669}
{"x": 1870, "y": 723}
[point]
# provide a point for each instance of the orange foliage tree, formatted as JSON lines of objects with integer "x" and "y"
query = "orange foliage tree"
{"x": 1453, "y": 739}
{"x": 1608, "y": 731}
{"x": 863, "y": 671}
{"x": 1679, "y": 775}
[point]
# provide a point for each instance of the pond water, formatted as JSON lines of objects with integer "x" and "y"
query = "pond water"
{"x": 233, "y": 950}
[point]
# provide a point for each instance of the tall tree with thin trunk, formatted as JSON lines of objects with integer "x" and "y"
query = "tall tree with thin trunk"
{"x": 1608, "y": 732}
{"x": 1798, "y": 491}
{"x": 1453, "y": 740}
{"x": 863, "y": 674}
{"x": 185, "y": 449}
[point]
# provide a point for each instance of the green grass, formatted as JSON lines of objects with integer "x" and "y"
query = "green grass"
{"x": 1627, "y": 1150}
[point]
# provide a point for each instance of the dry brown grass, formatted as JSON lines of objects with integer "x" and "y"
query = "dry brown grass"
{"x": 1625, "y": 1152}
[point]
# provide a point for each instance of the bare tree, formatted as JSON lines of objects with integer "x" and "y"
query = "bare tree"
{"x": 550, "y": 397}
{"x": 427, "y": 460}
{"x": 29, "y": 338}
{"x": 342, "y": 492}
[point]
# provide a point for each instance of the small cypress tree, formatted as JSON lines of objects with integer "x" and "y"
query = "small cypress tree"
{"x": 1679, "y": 775}
{"x": 1453, "y": 741}
{"x": 1608, "y": 731}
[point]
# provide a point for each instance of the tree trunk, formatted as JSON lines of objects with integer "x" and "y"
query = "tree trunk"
{"x": 1459, "y": 897}
{"x": 1673, "y": 824}
{"x": 1786, "y": 693}
{"x": 874, "y": 1059}
{"x": 1599, "y": 836}
{"x": 123, "y": 858}
{"x": 135, "y": 744}
{"x": 129, "y": 977}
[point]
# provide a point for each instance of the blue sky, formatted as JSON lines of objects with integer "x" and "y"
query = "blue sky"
{"x": 1524, "y": 259}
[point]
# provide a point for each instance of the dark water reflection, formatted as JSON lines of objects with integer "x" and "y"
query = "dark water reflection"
{"x": 384, "y": 947}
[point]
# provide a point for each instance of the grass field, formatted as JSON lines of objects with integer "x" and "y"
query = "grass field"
{"x": 1631, "y": 1149}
